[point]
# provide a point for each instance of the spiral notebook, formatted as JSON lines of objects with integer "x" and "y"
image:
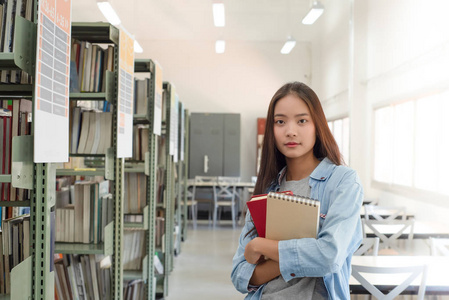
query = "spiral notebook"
{"x": 291, "y": 217}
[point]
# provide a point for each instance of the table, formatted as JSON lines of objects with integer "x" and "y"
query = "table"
{"x": 245, "y": 190}
{"x": 437, "y": 277}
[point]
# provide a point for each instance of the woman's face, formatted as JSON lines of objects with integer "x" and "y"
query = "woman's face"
{"x": 294, "y": 130}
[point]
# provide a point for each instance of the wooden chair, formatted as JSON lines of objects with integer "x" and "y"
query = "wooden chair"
{"x": 413, "y": 271}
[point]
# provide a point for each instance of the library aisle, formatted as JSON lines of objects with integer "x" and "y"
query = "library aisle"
{"x": 203, "y": 269}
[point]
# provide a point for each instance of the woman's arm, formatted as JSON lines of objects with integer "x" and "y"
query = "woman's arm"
{"x": 265, "y": 271}
{"x": 264, "y": 253}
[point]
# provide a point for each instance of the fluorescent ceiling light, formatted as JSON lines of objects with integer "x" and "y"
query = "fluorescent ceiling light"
{"x": 288, "y": 46}
{"x": 108, "y": 12}
{"x": 220, "y": 46}
{"x": 219, "y": 14}
{"x": 315, "y": 12}
{"x": 137, "y": 47}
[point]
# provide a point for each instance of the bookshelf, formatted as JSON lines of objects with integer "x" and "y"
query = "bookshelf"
{"x": 185, "y": 174}
{"x": 33, "y": 277}
{"x": 106, "y": 165}
{"x": 146, "y": 164}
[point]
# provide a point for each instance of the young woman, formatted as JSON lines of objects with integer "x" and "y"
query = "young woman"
{"x": 300, "y": 154}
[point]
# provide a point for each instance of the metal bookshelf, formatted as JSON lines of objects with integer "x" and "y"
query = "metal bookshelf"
{"x": 112, "y": 168}
{"x": 32, "y": 278}
{"x": 149, "y": 167}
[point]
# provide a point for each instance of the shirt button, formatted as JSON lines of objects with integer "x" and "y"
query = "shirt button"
{"x": 292, "y": 274}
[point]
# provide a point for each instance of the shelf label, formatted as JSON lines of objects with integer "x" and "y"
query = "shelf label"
{"x": 51, "y": 122}
{"x": 125, "y": 99}
{"x": 174, "y": 99}
{"x": 182, "y": 111}
{"x": 157, "y": 120}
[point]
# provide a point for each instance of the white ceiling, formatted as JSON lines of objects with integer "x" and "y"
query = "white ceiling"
{"x": 191, "y": 20}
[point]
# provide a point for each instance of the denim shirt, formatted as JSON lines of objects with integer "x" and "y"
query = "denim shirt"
{"x": 340, "y": 193}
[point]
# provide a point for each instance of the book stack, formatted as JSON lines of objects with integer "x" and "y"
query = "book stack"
{"x": 90, "y": 132}
{"x": 134, "y": 289}
{"x": 82, "y": 277}
{"x": 9, "y": 10}
{"x": 14, "y": 248}
{"x": 135, "y": 193}
{"x": 140, "y": 141}
{"x": 134, "y": 250}
{"x": 83, "y": 217}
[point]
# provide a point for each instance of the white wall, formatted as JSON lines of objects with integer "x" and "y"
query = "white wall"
{"x": 404, "y": 46}
{"x": 242, "y": 80}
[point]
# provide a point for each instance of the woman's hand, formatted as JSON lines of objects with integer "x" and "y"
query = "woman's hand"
{"x": 252, "y": 254}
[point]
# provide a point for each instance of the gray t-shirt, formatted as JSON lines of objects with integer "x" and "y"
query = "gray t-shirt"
{"x": 297, "y": 288}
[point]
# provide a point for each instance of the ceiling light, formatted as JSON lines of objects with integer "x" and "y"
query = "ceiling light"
{"x": 137, "y": 47}
{"x": 220, "y": 46}
{"x": 108, "y": 12}
{"x": 219, "y": 14}
{"x": 288, "y": 46}
{"x": 315, "y": 12}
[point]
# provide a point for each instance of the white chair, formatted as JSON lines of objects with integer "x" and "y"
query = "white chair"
{"x": 380, "y": 213}
{"x": 225, "y": 196}
{"x": 192, "y": 206}
{"x": 439, "y": 247}
{"x": 396, "y": 229}
{"x": 369, "y": 246}
{"x": 210, "y": 182}
{"x": 414, "y": 272}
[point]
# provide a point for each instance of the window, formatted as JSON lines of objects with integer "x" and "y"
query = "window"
{"x": 340, "y": 130}
{"x": 411, "y": 142}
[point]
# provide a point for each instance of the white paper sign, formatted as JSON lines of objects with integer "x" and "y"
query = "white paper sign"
{"x": 51, "y": 105}
{"x": 182, "y": 117}
{"x": 125, "y": 99}
{"x": 158, "y": 89}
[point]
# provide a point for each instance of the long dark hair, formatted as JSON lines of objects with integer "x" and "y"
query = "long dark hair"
{"x": 272, "y": 161}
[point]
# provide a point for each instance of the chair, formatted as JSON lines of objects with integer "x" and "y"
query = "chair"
{"x": 225, "y": 196}
{"x": 439, "y": 247}
{"x": 414, "y": 272}
{"x": 210, "y": 182}
{"x": 384, "y": 212}
{"x": 368, "y": 246}
{"x": 396, "y": 229}
{"x": 192, "y": 206}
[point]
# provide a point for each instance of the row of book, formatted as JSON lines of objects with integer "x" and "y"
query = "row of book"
{"x": 91, "y": 62}
{"x": 82, "y": 212}
{"x": 9, "y": 9}
{"x": 135, "y": 190}
{"x": 91, "y": 131}
{"x": 134, "y": 249}
{"x": 15, "y": 120}
{"x": 134, "y": 289}
{"x": 14, "y": 248}
{"x": 140, "y": 141}
{"x": 83, "y": 277}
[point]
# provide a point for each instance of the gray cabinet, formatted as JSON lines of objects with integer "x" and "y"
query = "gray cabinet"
{"x": 214, "y": 144}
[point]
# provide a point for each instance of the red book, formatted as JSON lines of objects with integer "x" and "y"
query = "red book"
{"x": 257, "y": 206}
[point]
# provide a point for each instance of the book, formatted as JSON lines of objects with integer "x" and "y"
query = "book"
{"x": 258, "y": 208}
{"x": 291, "y": 217}
{"x": 284, "y": 216}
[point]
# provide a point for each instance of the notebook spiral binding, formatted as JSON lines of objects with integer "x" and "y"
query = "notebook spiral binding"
{"x": 295, "y": 198}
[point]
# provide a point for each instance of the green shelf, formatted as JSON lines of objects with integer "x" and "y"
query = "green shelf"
{"x": 20, "y": 91}
{"x": 5, "y": 178}
{"x": 143, "y": 66}
{"x": 132, "y": 275}
{"x": 105, "y": 248}
{"x": 96, "y": 32}
{"x": 25, "y": 203}
{"x": 135, "y": 169}
{"x": 80, "y": 172}
{"x": 88, "y": 96}
{"x": 5, "y": 297}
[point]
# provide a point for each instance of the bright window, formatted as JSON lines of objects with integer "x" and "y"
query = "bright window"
{"x": 411, "y": 142}
{"x": 340, "y": 131}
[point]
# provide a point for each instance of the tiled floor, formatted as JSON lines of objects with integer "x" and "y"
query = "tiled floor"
{"x": 203, "y": 269}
